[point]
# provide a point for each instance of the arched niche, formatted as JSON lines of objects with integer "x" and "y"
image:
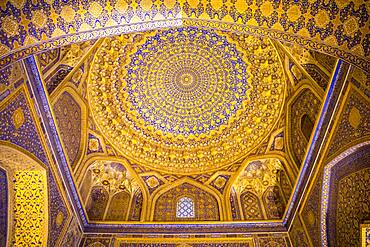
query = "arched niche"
{"x": 111, "y": 191}
{"x": 303, "y": 109}
{"x": 97, "y": 203}
{"x": 114, "y": 212}
{"x": 27, "y": 197}
{"x": 251, "y": 206}
{"x": 345, "y": 197}
{"x": 306, "y": 126}
{"x": 71, "y": 117}
{"x": 206, "y": 202}
{"x": 260, "y": 190}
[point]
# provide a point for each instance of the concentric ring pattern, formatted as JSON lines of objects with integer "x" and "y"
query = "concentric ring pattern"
{"x": 181, "y": 87}
{"x": 185, "y": 100}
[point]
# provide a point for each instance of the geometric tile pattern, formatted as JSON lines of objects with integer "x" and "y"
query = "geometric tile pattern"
{"x": 185, "y": 208}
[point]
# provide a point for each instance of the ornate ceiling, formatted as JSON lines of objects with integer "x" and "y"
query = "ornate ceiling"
{"x": 186, "y": 100}
{"x": 339, "y": 26}
{"x": 200, "y": 118}
{"x": 185, "y": 111}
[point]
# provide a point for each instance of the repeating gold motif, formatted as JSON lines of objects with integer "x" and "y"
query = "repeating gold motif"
{"x": 305, "y": 105}
{"x": 353, "y": 121}
{"x": 342, "y": 26}
{"x": 258, "y": 176}
{"x": 69, "y": 114}
{"x": 186, "y": 79}
{"x": 352, "y": 206}
{"x": 260, "y": 187}
{"x": 163, "y": 114}
{"x": 29, "y": 217}
{"x": 18, "y": 118}
{"x": 205, "y": 204}
{"x": 113, "y": 176}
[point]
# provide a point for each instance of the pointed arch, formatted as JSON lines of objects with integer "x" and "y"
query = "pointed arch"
{"x": 299, "y": 139}
{"x": 73, "y": 140}
{"x": 136, "y": 199}
{"x": 345, "y": 167}
{"x": 27, "y": 197}
{"x": 97, "y": 203}
{"x": 118, "y": 208}
{"x": 288, "y": 173}
{"x": 276, "y": 193}
{"x": 251, "y": 206}
{"x": 136, "y": 207}
{"x": 167, "y": 188}
{"x": 273, "y": 202}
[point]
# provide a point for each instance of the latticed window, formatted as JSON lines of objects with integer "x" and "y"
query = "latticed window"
{"x": 185, "y": 208}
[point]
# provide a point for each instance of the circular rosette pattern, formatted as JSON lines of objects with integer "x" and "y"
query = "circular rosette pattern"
{"x": 185, "y": 100}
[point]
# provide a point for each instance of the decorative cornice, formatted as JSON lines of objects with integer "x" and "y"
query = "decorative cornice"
{"x": 282, "y": 36}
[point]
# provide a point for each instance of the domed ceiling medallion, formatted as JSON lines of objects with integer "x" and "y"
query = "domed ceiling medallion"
{"x": 186, "y": 100}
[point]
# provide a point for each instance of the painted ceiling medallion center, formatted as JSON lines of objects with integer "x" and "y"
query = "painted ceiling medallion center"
{"x": 183, "y": 82}
{"x": 186, "y": 100}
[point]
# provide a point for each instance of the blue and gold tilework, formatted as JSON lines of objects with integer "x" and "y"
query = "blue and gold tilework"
{"x": 182, "y": 82}
{"x": 341, "y": 24}
{"x": 185, "y": 99}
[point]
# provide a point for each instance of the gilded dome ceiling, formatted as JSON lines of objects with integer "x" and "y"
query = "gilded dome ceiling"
{"x": 186, "y": 100}
{"x": 184, "y": 122}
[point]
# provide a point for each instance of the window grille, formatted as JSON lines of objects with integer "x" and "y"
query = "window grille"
{"x": 185, "y": 208}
